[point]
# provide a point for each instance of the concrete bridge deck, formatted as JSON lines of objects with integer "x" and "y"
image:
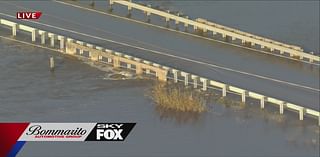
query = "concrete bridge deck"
{"x": 97, "y": 27}
{"x": 205, "y": 26}
{"x": 215, "y": 61}
{"x": 96, "y": 53}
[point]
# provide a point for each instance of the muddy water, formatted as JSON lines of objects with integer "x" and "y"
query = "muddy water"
{"x": 78, "y": 92}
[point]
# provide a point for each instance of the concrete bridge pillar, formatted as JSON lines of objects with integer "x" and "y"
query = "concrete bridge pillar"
{"x": 52, "y": 38}
{"x": 139, "y": 69}
{"x": 224, "y": 36}
{"x": 262, "y": 100}
{"x": 224, "y": 90}
{"x": 310, "y": 60}
{"x": 129, "y": 9}
{"x": 281, "y": 52}
{"x": 14, "y": 29}
{"x": 81, "y": 52}
{"x": 233, "y": 38}
{"x": 147, "y": 71}
{"x": 195, "y": 81}
{"x": 61, "y": 42}
{"x": 33, "y": 35}
{"x": 214, "y": 33}
{"x": 262, "y": 46}
{"x": 110, "y": 8}
{"x": 204, "y": 83}
{"x": 43, "y": 37}
{"x": 205, "y": 31}
{"x": 271, "y": 49}
{"x": 147, "y": 16}
{"x": 175, "y": 75}
{"x": 195, "y": 28}
{"x": 177, "y": 24}
{"x": 116, "y": 62}
{"x": 167, "y": 19}
{"x": 301, "y": 57}
{"x": 243, "y": 96}
{"x": 186, "y": 78}
{"x": 109, "y": 60}
{"x": 186, "y": 26}
{"x": 301, "y": 113}
{"x": 282, "y": 104}
{"x": 128, "y": 66}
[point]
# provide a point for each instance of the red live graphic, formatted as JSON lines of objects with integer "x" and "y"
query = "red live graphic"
{"x": 29, "y": 15}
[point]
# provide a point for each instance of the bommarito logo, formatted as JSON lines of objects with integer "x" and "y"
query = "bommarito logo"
{"x": 38, "y": 132}
{"x": 110, "y": 131}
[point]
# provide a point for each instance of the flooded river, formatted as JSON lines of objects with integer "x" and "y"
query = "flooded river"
{"x": 79, "y": 92}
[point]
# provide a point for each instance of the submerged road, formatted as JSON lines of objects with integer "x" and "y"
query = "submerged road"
{"x": 291, "y": 81}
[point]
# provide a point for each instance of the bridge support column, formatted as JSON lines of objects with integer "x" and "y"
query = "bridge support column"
{"x": 224, "y": 90}
{"x": 186, "y": 27}
{"x": 262, "y": 47}
{"x": 139, "y": 69}
{"x": 271, "y": 49}
{"x": 214, "y": 33}
{"x": 148, "y": 16}
{"x": 128, "y": 66}
{"x": 177, "y": 24}
{"x": 310, "y": 60}
{"x": 43, "y": 37}
{"x": 262, "y": 101}
{"x": 52, "y": 38}
{"x": 195, "y": 28}
{"x": 243, "y": 96}
{"x": 129, "y": 11}
{"x": 61, "y": 38}
{"x": 81, "y": 52}
{"x": 147, "y": 71}
{"x": 186, "y": 78}
{"x": 167, "y": 20}
{"x": 301, "y": 57}
{"x": 99, "y": 58}
{"x": 281, "y": 52}
{"x": 301, "y": 113}
{"x": 175, "y": 75}
{"x": 109, "y": 60}
{"x": 205, "y": 31}
{"x": 33, "y": 35}
{"x": 195, "y": 80}
{"x": 204, "y": 83}
{"x": 14, "y": 29}
{"x": 110, "y": 8}
{"x": 116, "y": 62}
{"x": 224, "y": 36}
{"x": 282, "y": 104}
